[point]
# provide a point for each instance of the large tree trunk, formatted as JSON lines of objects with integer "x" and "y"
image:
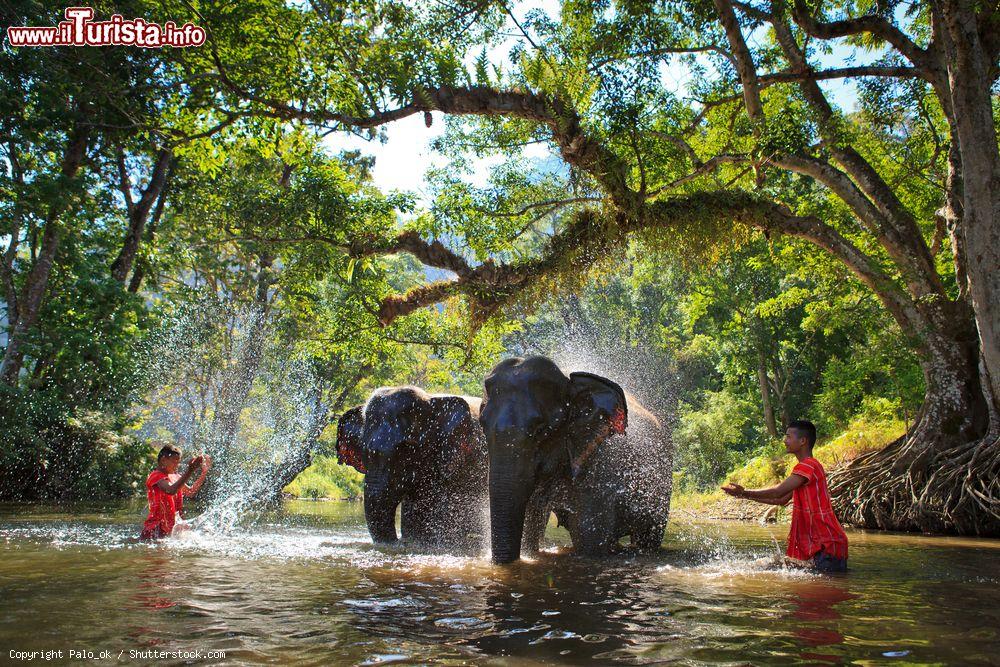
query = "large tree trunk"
{"x": 928, "y": 480}
{"x": 302, "y": 458}
{"x": 944, "y": 475}
{"x": 38, "y": 279}
{"x": 10, "y": 254}
{"x": 969, "y": 72}
{"x": 236, "y": 387}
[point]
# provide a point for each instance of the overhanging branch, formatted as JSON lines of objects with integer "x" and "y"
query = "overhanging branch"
{"x": 577, "y": 147}
{"x": 591, "y": 236}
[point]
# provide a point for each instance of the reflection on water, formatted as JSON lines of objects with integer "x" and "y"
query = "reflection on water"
{"x": 307, "y": 586}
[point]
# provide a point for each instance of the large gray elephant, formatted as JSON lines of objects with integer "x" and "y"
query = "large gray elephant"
{"x": 426, "y": 452}
{"x": 577, "y": 445}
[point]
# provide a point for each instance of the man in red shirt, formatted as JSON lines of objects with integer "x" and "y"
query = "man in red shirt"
{"x": 815, "y": 535}
{"x": 165, "y": 490}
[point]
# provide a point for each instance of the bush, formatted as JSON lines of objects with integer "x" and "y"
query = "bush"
{"x": 765, "y": 469}
{"x": 860, "y": 437}
{"x": 326, "y": 478}
{"x": 708, "y": 440}
{"x": 54, "y": 452}
{"x": 117, "y": 469}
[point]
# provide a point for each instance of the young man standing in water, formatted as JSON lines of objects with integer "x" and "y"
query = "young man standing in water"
{"x": 165, "y": 490}
{"x": 815, "y": 536}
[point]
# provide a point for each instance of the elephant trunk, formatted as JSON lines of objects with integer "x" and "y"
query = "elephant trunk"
{"x": 380, "y": 508}
{"x": 509, "y": 491}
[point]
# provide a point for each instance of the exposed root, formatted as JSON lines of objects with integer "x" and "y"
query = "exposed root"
{"x": 920, "y": 483}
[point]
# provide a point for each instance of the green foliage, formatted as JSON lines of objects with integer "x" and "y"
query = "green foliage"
{"x": 54, "y": 452}
{"x": 766, "y": 468}
{"x": 325, "y": 478}
{"x": 709, "y": 440}
{"x": 874, "y": 383}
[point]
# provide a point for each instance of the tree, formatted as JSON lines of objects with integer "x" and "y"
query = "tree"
{"x": 276, "y": 324}
{"x": 69, "y": 112}
{"x": 762, "y": 149}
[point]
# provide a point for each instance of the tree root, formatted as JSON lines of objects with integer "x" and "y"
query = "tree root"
{"x": 919, "y": 483}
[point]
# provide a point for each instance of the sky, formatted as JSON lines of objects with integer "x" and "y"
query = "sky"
{"x": 402, "y": 161}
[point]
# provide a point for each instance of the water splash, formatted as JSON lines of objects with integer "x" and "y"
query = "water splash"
{"x": 226, "y": 389}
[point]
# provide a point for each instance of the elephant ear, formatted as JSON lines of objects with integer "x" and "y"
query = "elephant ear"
{"x": 349, "y": 428}
{"x": 597, "y": 409}
{"x": 456, "y": 428}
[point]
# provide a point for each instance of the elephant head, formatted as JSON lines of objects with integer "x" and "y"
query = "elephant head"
{"x": 539, "y": 424}
{"x": 403, "y": 439}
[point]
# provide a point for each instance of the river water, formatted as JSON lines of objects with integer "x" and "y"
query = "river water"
{"x": 306, "y": 586}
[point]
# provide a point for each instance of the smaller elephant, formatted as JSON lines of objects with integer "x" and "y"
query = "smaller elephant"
{"x": 577, "y": 445}
{"x": 426, "y": 452}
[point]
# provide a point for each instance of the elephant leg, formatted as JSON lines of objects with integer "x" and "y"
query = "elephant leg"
{"x": 647, "y": 535}
{"x": 563, "y": 506}
{"x": 536, "y": 517}
{"x": 475, "y": 521}
{"x": 597, "y": 524}
{"x": 414, "y": 522}
{"x": 457, "y": 523}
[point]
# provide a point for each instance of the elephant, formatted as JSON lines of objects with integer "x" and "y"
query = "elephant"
{"x": 566, "y": 444}
{"x": 426, "y": 452}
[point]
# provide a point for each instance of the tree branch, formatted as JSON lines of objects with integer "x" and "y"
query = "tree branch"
{"x": 874, "y": 25}
{"x": 589, "y": 237}
{"x": 538, "y": 204}
{"x": 898, "y": 228}
{"x": 745, "y": 66}
{"x": 654, "y": 53}
{"x": 138, "y": 212}
{"x": 124, "y": 182}
{"x": 703, "y": 168}
{"x": 432, "y": 253}
{"x": 577, "y": 148}
{"x": 840, "y": 73}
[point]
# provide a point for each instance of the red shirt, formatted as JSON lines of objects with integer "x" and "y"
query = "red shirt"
{"x": 814, "y": 525}
{"x": 162, "y": 506}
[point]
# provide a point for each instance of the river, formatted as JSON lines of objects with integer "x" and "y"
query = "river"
{"x": 305, "y": 585}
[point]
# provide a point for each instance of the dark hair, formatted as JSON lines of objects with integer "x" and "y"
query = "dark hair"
{"x": 805, "y": 428}
{"x": 168, "y": 450}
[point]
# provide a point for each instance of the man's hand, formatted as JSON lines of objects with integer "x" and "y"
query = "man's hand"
{"x": 734, "y": 490}
{"x": 195, "y": 462}
{"x": 206, "y": 462}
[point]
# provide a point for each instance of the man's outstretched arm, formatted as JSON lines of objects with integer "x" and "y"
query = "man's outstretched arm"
{"x": 773, "y": 495}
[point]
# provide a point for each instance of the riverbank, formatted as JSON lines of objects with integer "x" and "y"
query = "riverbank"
{"x": 326, "y": 480}
{"x": 720, "y": 507}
